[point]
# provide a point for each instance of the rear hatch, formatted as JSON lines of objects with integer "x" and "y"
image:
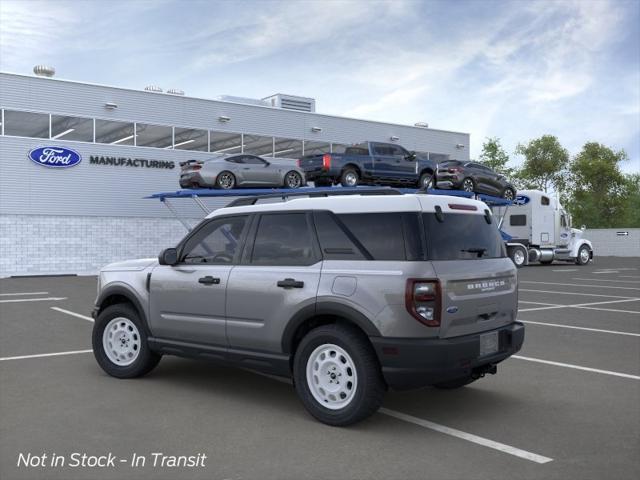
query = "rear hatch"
{"x": 478, "y": 283}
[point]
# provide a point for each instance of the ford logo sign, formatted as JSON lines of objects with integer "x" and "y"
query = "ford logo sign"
{"x": 521, "y": 200}
{"x": 55, "y": 157}
{"x": 452, "y": 309}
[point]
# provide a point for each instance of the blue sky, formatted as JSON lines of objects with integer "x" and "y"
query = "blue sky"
{"x": 515, "y": 70}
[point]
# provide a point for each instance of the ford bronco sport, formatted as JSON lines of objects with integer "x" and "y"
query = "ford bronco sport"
{"x": 348, "y": 295}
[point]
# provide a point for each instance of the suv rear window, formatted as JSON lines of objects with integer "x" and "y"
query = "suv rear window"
{"x": 462, "y": 236}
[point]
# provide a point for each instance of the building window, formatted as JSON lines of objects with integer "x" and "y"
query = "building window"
{"x": 338, "y": 148}
{"x": 115, "y": 133}
{"x": 258, "y": 145}
{"x": 287, "y": 148}
{"x": 26, "y": 124}
{"x": 225, "y": 143}
{"x": 71, "y": 128}
{"x": 191, "y": 139}
{"x": 157, "y": 136}
{"x": 316, "y": 148}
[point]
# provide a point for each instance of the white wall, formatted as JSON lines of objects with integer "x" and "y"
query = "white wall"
{"x": 44, "y": 244}
{"x": 607, "y": 242}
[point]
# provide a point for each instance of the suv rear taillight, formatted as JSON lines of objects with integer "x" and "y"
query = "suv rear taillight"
{"x": 454, "y": 170}
{"x": 326, "y": 161}
{"x": 422, "y": 299}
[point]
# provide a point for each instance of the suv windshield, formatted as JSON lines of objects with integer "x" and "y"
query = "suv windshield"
{"x": 462, "y": 237}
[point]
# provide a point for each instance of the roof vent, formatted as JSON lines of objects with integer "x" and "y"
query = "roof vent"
{"x": 421, "y": 124}
{"x": 292, "y": 102}
{"x": 175, "y": 91}
{"x": 153, "y": 88}
{"x": 44, "y": 71}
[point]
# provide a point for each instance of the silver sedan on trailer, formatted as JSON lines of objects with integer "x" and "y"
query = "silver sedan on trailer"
{"x": 244, "y": 170}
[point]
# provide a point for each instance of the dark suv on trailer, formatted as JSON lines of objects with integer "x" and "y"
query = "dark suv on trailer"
{"x": 473, "y": 177}
{"x": 349, "y": 295}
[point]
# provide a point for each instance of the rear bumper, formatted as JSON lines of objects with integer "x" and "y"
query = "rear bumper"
{"x": 413, "y": 363}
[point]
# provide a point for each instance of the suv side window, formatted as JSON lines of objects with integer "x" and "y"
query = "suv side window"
{"x": 381, "y": 234}
{"x": 336, "y": 241}
{"x": 217, "y": 242}
{"x": 283, "y": 239}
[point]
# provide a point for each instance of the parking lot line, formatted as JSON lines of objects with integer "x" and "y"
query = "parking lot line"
{"x": 566, "y": 270}
{"x": 40, "y": 355}
{"x": 442, "y": 429}
{"x": 576, "y": 293}
{"x": 540, "y": 303}
{"x": 577, "y": 367}
{"x": 629, "y": 276}
{"x": 607, "y": 280}
{"x": 580, "y": 285}
{"x": 47, "y": 299}
{"x": 533, "y": 457}
{"x": 609, "y": 310}
{"x": 551, "y": 306}
{"x": 615, "y": 332}
{"x": 73, "y": 314}
{"x": 23, "y": 293}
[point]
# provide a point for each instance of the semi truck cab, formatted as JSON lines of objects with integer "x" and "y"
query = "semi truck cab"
{"x": 539, "y": 229}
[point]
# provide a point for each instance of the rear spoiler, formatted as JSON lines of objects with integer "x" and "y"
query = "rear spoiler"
{"x": 190, "y": 162}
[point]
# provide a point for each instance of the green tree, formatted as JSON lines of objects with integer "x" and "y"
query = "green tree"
{"x": 495, "y": 157}
{"x": 598, "y": 193}
{"x": 545, "y": 164}
{"x": 630, "y": 216}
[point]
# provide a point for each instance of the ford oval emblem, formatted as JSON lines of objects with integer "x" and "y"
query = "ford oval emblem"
{"x": 55, "y": 157}
{"x": 452, "y": 309}
{"x": 521, "y": 200}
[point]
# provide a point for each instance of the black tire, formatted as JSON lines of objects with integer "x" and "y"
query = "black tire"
{"x": 289, "y": 181}
{"x": 322, "y": 182}
{"x": 453, "y": 384}
{"x": 518, "y": 261}
{"x": 370, "y": 386}
{"x": 579, "y": 258}
{"x": 426, "y": 181}
{"x": 349, "y": 177}
{"x": 226, "y": 180}
{"x": 509, "y": 194}
{"x": 146, "y": 359}
{"x": 468, "y": 185}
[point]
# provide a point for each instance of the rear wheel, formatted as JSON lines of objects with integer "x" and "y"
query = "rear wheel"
{"x": 226, "y": 180}
{"x": 468, "y": 185}
{"x": 426, "y": 181}
{"x": 293, "y": 179}
{"x": 120, "y": 343}
{"x": 349, "y": 178}
{"x": 337, "y": 375}
{"x": 584, "y": 255}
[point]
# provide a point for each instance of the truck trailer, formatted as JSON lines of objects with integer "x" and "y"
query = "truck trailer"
{"x": 537, "y": 229}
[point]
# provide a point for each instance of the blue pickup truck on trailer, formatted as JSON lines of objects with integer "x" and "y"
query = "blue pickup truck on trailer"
{"x": 370, "y": 163}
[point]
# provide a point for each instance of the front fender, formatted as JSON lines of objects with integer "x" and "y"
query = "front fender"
{"x": 579, "y": 243}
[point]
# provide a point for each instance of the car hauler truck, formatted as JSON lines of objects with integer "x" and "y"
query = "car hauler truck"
{"x": 538, "y": 229}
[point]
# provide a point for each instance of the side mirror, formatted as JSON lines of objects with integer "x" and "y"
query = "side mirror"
{"x": 169, "y": 256}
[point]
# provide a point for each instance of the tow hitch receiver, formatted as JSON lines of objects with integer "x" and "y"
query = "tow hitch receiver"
{"x": 480, "y": 372}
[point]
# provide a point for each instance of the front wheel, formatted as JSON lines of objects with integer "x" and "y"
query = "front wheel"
{"x": 518, "y": 256}
{"x": 584, "y": 255}
{"x": 508, "y": 194}
{"x": 349, "y": 178}
{"x": 337, "y": 375}
{"x": 120, "y": 343}
{"x": 293, "y": 179}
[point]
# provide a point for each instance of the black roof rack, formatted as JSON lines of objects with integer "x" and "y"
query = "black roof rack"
{"x": 329, "y": 192}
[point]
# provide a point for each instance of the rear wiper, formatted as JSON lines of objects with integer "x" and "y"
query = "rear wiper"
{"x": 479, "y": 251}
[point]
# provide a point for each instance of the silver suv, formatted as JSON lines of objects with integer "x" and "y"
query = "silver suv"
{"x": 348, "y": 295}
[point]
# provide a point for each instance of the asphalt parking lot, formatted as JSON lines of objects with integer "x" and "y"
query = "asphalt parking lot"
{"x": 568, "y": 406}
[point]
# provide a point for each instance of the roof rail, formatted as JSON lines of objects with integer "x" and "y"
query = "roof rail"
{"x": 329, "y": 192}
